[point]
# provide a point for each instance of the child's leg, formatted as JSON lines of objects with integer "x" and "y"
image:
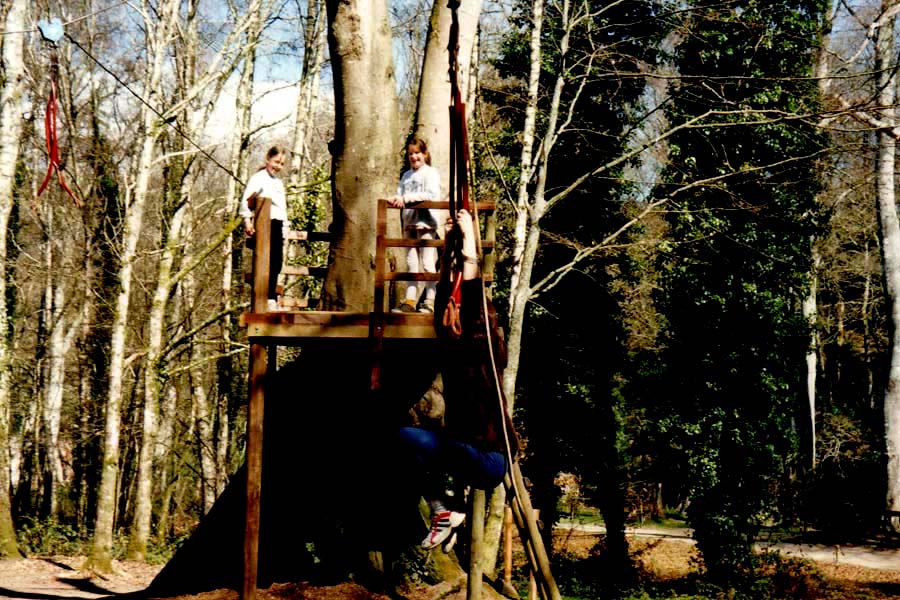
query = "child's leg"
{"x": 412, "y": 266}
{"x": 429, "y": 263}
{"x": 427, "y": 454}
{"x": 276, "y": 257}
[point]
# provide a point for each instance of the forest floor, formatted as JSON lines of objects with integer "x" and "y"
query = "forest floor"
{"x": 848, "y": 571}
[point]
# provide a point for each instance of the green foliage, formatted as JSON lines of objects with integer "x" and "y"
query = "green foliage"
{"x": 160, "y": 551}
{"x": 737, "y": 273}
{"x": 48, "y": 537}
{"x": 310, "y": 214}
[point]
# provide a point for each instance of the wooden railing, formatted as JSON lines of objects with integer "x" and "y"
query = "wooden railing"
{"x": 384, "y": 276}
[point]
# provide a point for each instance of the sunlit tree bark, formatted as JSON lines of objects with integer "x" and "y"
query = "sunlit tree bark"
{"x": 232, "y": 249}
{"x": 885, "y": 190}
{"x": 11, "y": 96}
{"x": 158, "y": 31}
{"x": 364, "y": 158}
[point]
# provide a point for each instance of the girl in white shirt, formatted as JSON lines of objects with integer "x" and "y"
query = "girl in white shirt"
{"x": 420, "y": 183}
{"x": 265, "y": 184}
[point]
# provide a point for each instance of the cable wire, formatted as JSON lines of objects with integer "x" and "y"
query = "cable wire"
{"x": 75, "y": 20}
{"x": 167, "y": 121}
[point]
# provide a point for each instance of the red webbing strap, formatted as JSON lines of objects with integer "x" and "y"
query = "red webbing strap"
{"x": 459, "y": 180}
{"x": 50, "y": 134}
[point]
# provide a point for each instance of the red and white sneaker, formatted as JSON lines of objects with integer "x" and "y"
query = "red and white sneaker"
{"x": 442, "y": 525}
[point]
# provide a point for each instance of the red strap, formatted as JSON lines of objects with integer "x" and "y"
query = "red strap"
{"x": 459, "y": 180}
{"x": 53, "y": 146}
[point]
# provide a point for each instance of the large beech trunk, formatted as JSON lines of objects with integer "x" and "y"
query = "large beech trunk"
{"x": 11, "y": 96}
{"x": 365, "y": 158}
{"x": 885, "y": 182}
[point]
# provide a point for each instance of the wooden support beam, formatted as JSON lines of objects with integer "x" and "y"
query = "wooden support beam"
{"x": 258, "y": 369}
{"x": 476, "y": 543}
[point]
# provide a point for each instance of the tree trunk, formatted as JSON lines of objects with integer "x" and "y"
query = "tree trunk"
{"x": 232, "y": 249}
{"x": 58, "y": 345}
{"x": 432, "y": 122}
{"x": 204, "y": 415}
{"x": 890, "y": 248}
{"x": 156, "y": 321}
{"x": 157, "y": 35}
{"x": 11, "y": 108}
{"x": 364, "y": 149}
{"x": 315, "y": 39}
{"x": 809, "y": 311}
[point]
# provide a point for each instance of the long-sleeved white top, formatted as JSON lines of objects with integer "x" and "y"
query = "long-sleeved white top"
{"x": 420, "y": 185}
{"x": 268, "y": 187}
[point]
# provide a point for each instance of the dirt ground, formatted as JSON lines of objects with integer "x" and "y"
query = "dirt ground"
{"x": 60, "y": 578}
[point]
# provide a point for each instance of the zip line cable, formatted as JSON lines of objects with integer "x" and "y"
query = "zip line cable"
{"x": 75, "y": 20}
{"x": 167, "y": 121}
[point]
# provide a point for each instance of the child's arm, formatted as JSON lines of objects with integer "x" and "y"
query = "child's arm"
{"x": 431, "y": 192}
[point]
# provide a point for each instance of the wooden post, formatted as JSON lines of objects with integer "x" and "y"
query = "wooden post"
{"x": 258, "y": 368}
{"x": 532, "y": 583}
{"x": 507, "y": 546}
{"x": 476, "y": 529}
{"x": 376, "y": 317}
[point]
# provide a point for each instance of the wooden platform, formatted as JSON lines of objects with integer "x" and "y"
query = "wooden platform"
{"x": 294, "y": 323}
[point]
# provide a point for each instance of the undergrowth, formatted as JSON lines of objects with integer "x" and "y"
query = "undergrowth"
{"x": 50, "y": 537}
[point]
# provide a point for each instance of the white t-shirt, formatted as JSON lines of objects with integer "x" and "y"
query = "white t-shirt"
{"x": 420, "y": 185}
{"x": 268, "y": 187}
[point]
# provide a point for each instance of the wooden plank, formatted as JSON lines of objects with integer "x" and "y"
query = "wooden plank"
{"x": 283, "y": 326}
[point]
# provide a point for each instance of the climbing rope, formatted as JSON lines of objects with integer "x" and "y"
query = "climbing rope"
{"x": 459, "y": 199}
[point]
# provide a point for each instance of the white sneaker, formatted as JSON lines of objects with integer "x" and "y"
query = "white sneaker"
{"x": 272, "y": 305}
{"x": 442, "y": 525}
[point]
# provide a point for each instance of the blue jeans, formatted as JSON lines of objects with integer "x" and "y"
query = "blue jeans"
{"x": 437, "y": 456}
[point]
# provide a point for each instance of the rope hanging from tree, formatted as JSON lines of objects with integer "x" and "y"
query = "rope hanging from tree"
{"x": 52, "y": 32}
{"x": 459, "y": 178}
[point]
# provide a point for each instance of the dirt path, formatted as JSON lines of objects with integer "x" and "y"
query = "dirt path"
{"x": 868, "y": 556}
{"x": 60, "y": 577}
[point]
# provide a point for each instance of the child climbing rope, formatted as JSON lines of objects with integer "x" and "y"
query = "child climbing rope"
{"x": 420, "y": 183}
{"x": 265, "y": 184}
{"x": 471, "y": 448}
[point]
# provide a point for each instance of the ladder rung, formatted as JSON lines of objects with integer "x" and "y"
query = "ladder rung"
{"x": 293, "y": 271}
{"x": 411, "y": 243}
{"x": 301, "y": 270}
{"x": 482, "y": 207}
{"x": 310, "y": 236}
{"x": 289, "y": 302}
{"x": 404, "y": 276}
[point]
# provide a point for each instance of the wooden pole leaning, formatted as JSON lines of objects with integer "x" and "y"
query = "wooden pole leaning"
{"x": 258, "y": 369}
{"x": 523, "y": 514}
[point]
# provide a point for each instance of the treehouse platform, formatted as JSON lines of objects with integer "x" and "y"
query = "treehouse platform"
{"x": 294, "y": 321}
